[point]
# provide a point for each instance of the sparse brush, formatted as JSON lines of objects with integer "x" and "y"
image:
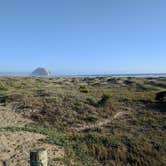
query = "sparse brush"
{"x": 84, "y": 89}
{"x": 3, "y": 87}
{"x": 161, "y": 96}
{"x": 138, "y": 138}
{"x": 104, "y": 99}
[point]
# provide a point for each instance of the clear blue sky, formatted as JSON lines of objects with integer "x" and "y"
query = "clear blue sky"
{"x": 83, "y": 36}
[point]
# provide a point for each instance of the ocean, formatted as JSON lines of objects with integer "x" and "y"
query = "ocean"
{"x": 143, "y": 75}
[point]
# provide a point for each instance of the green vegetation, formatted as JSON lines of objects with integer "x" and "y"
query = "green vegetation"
{"x": 3, "y": 87}
{"x": 84, "y": 89}
{"x": 103, "y": 100}
{"x": 59, "y": 106}
{"x": 161, "y": 96}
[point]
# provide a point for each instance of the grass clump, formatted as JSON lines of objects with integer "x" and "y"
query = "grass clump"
{"x": 84, "y": 89}
{"x": 3, "y": 87}
{"x": 91, "y": 101}
{"x": 104, "y": 99}
{"x": 91, "y": 118}
{"x": 161, "y": 96}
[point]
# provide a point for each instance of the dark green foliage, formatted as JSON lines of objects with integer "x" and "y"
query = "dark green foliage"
{"x": 103, "y": 100}
{"x": 91, "y": 101}
{"x": 3, "y": 87}
{"x": 84, "y": 89}
{"x": 112, "y": 81}
{"x": 3, "y": 98}
{"x": 129, "y": 82}
{"x": 91, "y": 118}
{"x": 158, "y": 84}
{"x": 161, "y": 96}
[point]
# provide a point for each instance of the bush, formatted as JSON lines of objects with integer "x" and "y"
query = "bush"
{"x": 91, "y": 118}
{"x": 91, "y": 101}
{"x": 161, "y": 96}
{"x": 103, "y": 100}
{"x": 84, "y": 89}
{"x": 2, "y": 87}
{"x": 3, "y": 98}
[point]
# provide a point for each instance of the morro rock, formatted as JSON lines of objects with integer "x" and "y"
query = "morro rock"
{"x": 41, "y": 72}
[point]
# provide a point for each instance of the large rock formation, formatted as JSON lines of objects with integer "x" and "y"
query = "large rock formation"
{"x": 41, "y": 72}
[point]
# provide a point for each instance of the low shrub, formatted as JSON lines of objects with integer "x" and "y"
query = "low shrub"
{"x": 103, "y": 100}
{"x": 84, "y": 89}
{"x": 161, "y": 96}
{"x": 3, "y": 87}
{"x": 91, "y": 101}
{"x": 92, "y": 118}
{"x": 3, "y": 98}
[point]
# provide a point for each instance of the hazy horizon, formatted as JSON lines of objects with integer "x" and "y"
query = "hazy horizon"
{"x": 54, "y": 73}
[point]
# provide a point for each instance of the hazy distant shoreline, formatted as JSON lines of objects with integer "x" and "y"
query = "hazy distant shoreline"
{"x": 27, "y": 74}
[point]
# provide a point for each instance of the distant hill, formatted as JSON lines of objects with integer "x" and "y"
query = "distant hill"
{"x": 41, "y": 72}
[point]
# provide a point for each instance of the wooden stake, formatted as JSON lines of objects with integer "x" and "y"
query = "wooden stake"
{"x": 4, "y": 163}
{"x": 38, "y": 157}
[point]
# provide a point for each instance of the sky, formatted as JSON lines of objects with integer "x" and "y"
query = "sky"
{"x": 83, "y": 36}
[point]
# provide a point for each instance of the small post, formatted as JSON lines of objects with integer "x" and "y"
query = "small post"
{"x": 38, "y": 157}
{"x": 4, "y": 163}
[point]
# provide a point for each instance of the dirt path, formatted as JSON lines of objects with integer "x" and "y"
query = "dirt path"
{"x": 103, "y": 122}
{"x": 15, "y": 146}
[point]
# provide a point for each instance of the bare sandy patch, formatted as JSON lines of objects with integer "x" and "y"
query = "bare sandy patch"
{"x": 15, "y": 147}
{"x": 11, "y": 118}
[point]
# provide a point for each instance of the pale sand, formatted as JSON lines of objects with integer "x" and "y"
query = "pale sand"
{"x": 15, "y": 146}
{"x": 10, "y": 118}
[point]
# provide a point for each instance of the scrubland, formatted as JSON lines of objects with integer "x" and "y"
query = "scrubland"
{"x": 97, "y": 121}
